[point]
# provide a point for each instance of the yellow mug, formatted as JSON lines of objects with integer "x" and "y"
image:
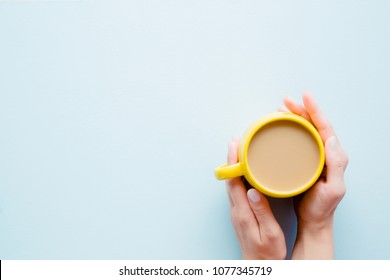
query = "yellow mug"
{"x": 281, "y": 155}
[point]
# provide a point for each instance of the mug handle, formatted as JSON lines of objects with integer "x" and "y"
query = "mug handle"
{"x": 225, "y": 171}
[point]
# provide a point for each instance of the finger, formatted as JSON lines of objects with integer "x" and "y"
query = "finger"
{"x": 239, "y": 200}
{"x": 336, "y": 160}
{"x": 263, "y": 213}
{"x": 235, "y": 187}
{"x": 296, "y": 108}
{"x": 229, "y": 196}
{"x": 231, "y": 159}
{"x": 318, "y": 118}
{"x": 283, "y": 109}
{"x": 232, "y": 156}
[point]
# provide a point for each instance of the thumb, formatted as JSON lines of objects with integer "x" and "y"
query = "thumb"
{"x": 263, "y": 213}
{"x": 336, "y": 159}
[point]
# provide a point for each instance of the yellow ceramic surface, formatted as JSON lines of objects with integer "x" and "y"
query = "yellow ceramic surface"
{"x": 240, "y": 168}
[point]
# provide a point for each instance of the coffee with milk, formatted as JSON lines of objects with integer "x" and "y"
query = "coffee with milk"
{"x": 283, "y": 156}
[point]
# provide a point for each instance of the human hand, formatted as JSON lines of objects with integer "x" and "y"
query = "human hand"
{"x": 257, "y": 230}
{"x": 315, "y": 208}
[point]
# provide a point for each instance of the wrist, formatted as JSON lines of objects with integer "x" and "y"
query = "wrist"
{"x": 315, "y": 228}
{"x": 314, "y": 240}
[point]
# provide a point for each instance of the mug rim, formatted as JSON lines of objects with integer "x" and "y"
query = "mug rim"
{"x": 252, "y": 130}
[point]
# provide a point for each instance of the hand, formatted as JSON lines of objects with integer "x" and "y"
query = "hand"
{"x": 315, "y": 208}
{"x": 257, "y": 230}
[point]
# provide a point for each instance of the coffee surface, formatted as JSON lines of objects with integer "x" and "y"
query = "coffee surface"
{"x": 283, "y": 156}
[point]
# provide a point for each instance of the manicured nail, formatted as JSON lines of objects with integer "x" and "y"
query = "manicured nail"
{"x": 308, "y": 93}
{"x": 287, "y": 98}
{"x": 232, "y": 145}
{"x": 236, "y": 139}
{"x": 254, "y": 196}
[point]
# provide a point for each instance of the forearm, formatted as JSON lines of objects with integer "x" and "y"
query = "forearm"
{"x": 314, "y": 242}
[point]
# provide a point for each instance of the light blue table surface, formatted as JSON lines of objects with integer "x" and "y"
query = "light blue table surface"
{"x": 113, "y": 115}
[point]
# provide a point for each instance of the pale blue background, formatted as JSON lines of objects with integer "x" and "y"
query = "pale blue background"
{"x": 113, "y": 115}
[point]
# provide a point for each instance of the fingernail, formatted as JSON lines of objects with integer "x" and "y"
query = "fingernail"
{"x": 332, "y": 142}
{"x": 307, "y": 93}
{"x": 236, "y": 139}
{"x": 232, "y": 145}
{"x": 254, "y": 196}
